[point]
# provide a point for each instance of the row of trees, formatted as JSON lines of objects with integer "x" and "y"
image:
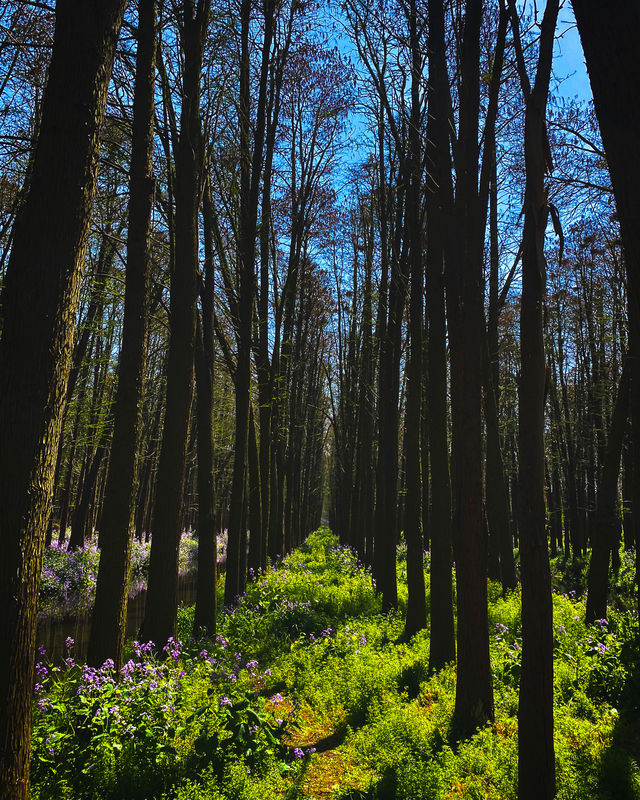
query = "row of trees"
{"x": 195, "y": 321}
{"x": 195, "y": 268}
{"x": 465, "y": 325}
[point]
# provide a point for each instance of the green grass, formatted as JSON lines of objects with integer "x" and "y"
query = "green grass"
{"x": 334, "y": 674}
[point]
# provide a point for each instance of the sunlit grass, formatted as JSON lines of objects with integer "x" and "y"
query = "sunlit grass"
{"x": 310, "y": 692}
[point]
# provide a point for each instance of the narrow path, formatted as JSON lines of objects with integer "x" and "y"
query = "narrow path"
{"x": 329, "y": 768}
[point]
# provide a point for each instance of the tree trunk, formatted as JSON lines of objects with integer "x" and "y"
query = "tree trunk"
{"x": 206, "y": 593}
{"x": 250, "y": 173}
{"x": 627, "y": 507}
{"x": 606, "y": 521}
{"x": 536, "y": 762}
{"x": 365, "y": 475}
{"x": 80, "y": 529}
{"x": 257, "y": 542}
{"x": 108, "y": 621}
{"x": 416, "y": 603}
{"x": 610, "y": 47}
{"x": 439, "y": 209}
{"x": 500, "y": 539}
{"x": 162, "y": 602}
{"x": 207, "y": 586}
{"x": 474, "y": 691}
{"x": 39, "y": 303}
{"x": 496, "y": 491}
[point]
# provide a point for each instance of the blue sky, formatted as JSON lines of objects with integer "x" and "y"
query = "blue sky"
{"x": 569, "y": 62}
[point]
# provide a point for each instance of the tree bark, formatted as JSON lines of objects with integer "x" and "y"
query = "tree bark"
{"x": 39, "y": 303}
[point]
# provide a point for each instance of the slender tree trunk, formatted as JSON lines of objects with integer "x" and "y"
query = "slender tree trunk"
{"x": 500, "y": 539}
{"x": 387, "y": 467}
{"x": 39, "y": 303}
{"x": 536, "y": 761}
{"x": 363, "y": 522}
{"x": 207, "y": 586}
{"x": 416, "y": 604}
{"x": 500, "y": 561}
{"x": 65, "y": 504}
{"x": 439, "y": 210}
{"x": 627, "y": 508}
{"x": 497, "y": 498}
{"x": 474, "y": 691}
{"x": 162, "y": 602}
{"x": 109, "y": 618}
{"x": 250, "y": 173}
{"x": 256, "y": 538}
{"x": 80, "y": 529}
{"x": 606, "y": 521}
{"x": 206, "y": 592}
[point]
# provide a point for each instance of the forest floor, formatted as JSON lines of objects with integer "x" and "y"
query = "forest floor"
{"x": 310, "y": 692}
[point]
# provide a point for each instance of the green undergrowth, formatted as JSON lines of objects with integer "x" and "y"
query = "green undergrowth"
{"x": 310, "y": 691}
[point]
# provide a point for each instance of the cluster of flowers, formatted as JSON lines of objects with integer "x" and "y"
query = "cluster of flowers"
{"x": 226, "y": 668}
{"x": 81, "y": 711}
{"x": 147, "y": 686}
{"x": 67, "y": 587}
{"x": 599, "y": 647}
{"x": 68, "y": 580}
{"x": 301, "y": 752}
{"x": 85, "y": 718}
{"x": 324, "y": 635}
{"x": 503, "y": 638}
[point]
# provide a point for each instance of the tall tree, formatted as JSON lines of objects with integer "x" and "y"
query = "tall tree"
{"x": 439, "y": 213}
{"x": 474, "y": 692}
{"x": 251, "y": 162}
{"x": 610, "y": 48}
{"x": 363, "y": 522}
{"x": 416, "y": 604}
{"x": 501, "y": 561}
{"x": 162, "y": 603}
{"x": 39, "y": 303}
{"x": 109, "y": 616}
{"x": 206, "y": 597}
{"x": 536, "y": 761}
